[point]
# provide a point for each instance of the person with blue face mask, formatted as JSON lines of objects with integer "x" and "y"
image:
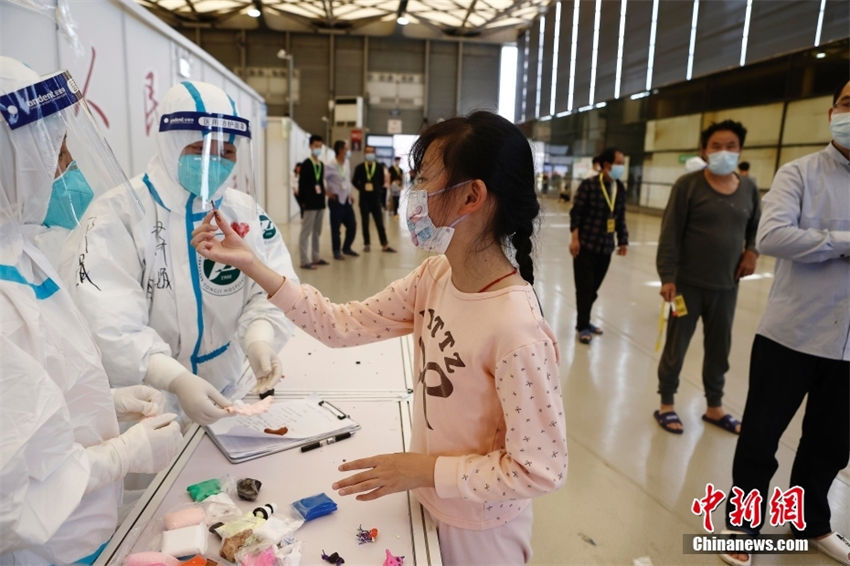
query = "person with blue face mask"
{"x": 597, "y": 216}
{"x": 311, "y": 199}
{"x": 801, "y": 351}
{"x": 707, "y": 244}
{"x": 163, "y": 315}
{"x": 488, "y": 429}
{"x": 63, "y": 457}
{"x": 369, "y": 179}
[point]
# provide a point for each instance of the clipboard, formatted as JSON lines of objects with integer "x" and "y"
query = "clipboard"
{"x": 307, "y": 420}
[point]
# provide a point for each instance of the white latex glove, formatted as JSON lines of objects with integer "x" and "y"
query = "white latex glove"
{"x": 137, "y": 402}
{"x": 146, "y": 447}
{"x": 265, "y": 364}
{"x": 262, "y": 356}
{"x": 196, "y": 395}
{"x": 198, "y": 398}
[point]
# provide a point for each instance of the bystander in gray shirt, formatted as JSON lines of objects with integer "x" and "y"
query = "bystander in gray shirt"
{"x": 806, "y": 226}
{"x": 704, "y": 232}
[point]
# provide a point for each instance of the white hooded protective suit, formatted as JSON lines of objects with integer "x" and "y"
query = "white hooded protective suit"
{"x": 54, "y": 395}
{"x": 140, "y": 283}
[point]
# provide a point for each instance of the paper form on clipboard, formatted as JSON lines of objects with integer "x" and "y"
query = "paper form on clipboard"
{"x": 307, "y": 420}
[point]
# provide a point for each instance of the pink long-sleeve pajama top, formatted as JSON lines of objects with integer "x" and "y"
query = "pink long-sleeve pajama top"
{"x": 487, "y": 397}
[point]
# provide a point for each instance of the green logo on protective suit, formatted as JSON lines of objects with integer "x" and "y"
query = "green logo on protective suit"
{"x": 269, "y": 229}
{"x": 220, "y": 279}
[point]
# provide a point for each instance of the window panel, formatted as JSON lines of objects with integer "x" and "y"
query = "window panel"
{"x": 584, "y": 53}
{"x": 836, "y": 20}
{"x": 719, "y": 33}
{"x": 672, "y": 40}
{"x": 781, "y": 26}
{"x": 636, "y": 47}
{"x": 609, "y": 41}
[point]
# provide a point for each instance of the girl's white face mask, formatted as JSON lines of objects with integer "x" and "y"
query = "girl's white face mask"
{"x": 424, "y": 234}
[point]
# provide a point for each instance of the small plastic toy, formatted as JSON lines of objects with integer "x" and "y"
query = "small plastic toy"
{"x": 393, "y": 560}
{"x": 333, "y": 558}
{"x": 364, "y": 536}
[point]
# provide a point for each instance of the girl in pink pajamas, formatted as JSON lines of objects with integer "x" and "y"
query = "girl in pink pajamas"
{"x": 488, "y": 431}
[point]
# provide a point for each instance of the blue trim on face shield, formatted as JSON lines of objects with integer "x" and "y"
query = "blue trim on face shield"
{"x": 196, "y": 96}
{"x": 205, "y": 123}
{"x": 37, "y": 101}
{"x": 43, "y": 290}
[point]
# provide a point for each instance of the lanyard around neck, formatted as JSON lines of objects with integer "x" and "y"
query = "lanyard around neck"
{"x": 610, "y": 200}
{"x": 370, "y": 174}
{"x": 317, "y": 170}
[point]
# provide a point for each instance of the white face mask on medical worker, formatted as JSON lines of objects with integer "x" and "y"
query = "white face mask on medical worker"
{"x": 424, "y": 234}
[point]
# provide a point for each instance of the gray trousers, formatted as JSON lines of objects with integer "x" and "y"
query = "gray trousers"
{"x": 311, "y": 229}
{"x": 717, "y": 309}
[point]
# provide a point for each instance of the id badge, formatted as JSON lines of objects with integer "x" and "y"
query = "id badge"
{"x": 679, "y": 307}
{"x": 369, "y": 188}
{"x": 610, "y": 225}
{"x": 318, "y": 189}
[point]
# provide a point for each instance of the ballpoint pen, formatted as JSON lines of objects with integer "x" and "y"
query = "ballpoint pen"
{"x": 325, "y": 442}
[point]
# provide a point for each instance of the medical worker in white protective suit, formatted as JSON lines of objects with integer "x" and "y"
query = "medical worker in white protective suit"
{"x": 162, "y": 314}
{"x": 62, "y": 460}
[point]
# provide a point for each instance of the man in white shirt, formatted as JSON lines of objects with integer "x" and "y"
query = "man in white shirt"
{"x": 802, "y": 346}
{"x": 340, "y": 201}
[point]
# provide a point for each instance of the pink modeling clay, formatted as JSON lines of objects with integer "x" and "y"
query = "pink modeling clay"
{"x": 150, "y": 559}
{"x": 184, "y": 518}
{"x": 240, "y": 408}
{"x": 393, "y": 560}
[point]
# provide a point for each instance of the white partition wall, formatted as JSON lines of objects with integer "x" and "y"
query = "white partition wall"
{"x": 286, "y": 145}
{"x": 124, "y": 60}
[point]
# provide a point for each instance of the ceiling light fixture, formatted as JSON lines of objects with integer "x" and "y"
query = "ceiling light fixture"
{"x": 253, "y": 12}
{"x": 402, "y": 20}
{"x": 820, "y": 55}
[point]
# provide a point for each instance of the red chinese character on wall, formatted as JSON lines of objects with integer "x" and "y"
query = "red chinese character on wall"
{"x": 713, "y": 498}
{"x": 93, "y": 105}
{"x": 746, "y": 508}
{"x": 787, "y": 507}
{"x": 150, "y": 102}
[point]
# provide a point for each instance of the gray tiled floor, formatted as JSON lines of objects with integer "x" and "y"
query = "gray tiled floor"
{"x": 630, "y": 484}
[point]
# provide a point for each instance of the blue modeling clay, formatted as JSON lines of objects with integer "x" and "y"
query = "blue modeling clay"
{"x": 314, "y": 506}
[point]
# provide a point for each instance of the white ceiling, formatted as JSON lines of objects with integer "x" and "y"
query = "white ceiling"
{"x": 489, "y": 20}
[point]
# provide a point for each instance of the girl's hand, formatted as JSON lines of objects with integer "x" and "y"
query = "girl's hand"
{"x": 387, "y": 473}
{"x": 231, "y": 250}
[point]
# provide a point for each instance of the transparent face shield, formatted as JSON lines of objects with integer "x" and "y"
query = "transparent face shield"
{"x": 213, "y": 152}
{"x": 57, "y": 160}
